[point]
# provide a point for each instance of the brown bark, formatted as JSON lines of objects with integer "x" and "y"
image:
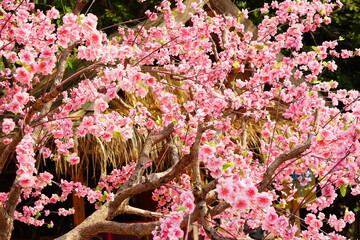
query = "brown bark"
{"x": 7, "y": 212}
{"x": 6, "y": 223}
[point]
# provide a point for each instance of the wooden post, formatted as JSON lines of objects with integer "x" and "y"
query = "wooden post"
{"x": 78, "y": 202}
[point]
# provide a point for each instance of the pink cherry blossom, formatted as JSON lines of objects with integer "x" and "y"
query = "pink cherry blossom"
{"x": 73, "y": 159}
{"x": 8, "y": 125}
{"x": 263, "y": 200}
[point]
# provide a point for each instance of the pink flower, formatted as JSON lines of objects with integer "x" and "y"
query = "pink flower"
{"x": 150, "y": 81}
{"x": 64, "y": 212}
{"x": 3, "y": 197}
{"x": 8, "y": 125}
{"x": 46, "y": 177}
{"x": 95, "y": 38}
{"x": 224, "y": 191}
{"x": 349, "y": 217}
{"x": 309, "y": 218}
{"x": 332, "y": 66}
{"x": 151, "y": 15}
{"x": 207, "y": 150}
{"x": 315, "y": 224}
{"x": 241, "y": 204}
{"x": 339, "y": 225}
{"x": 53, "y": 13}
{"x": 23, "y": 76}
{"x": 21, "y": 97}
{"x": 189, "y": 204}
{"x": 73, "y": 159}
{"x": 176, "y": 217}
{"x": 26, "y": 180}
{"x": 7, "y": 141}
{"x": 346, "y": 53}
{"x": 26, "y": 56}
{"x": 250, "y": 191}
{"x": 263, "y": 200}
{"x": 100, "y": 105}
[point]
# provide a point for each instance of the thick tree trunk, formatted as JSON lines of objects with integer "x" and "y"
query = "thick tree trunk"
{"x": 6, "y": 224}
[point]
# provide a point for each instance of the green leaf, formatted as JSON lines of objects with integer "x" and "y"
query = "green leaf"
{"x": 2, "y": 66}
{"x": 315, "y": 81}
{"x": 104, "y": 197}
{"x": 38, "y": 214}
{"x": 49, "y": 226}
{"x": 311, "y": 93}
{"x": 341, "y": 38}
{"x": 181, "y": 208}
{"x": 227, "y": 165}
{"x": 233, "y": 83}
{"x": 236, "y": 64}
{"x": 116, "y": 134}
{"x": 343, "y": 190}
{"x": 316, "y": 49}
{"x": 258, "y": 46}
{"x": 279, "y": 64}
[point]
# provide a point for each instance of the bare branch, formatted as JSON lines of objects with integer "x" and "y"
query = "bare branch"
{"x": 197, "y": 178}
{"x": 80, "y": 4}
{"x": 95, "y": 227}
{"x": 205, "y": 219}
{"x": 141, "y": 212}
{"x": 219, "y": 208}
{"x": 150, "y": 141}
{"x": 210, "y": 186}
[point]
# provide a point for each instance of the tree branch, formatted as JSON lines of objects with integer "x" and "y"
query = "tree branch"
{"x": 150, "y": 141}
{"x": 95, "y": 227}
{"x": 80, "y": 4}
{"x": 141, "y": 212}
{"x": 13, "y": 197}
{"x": 296, "y": 152}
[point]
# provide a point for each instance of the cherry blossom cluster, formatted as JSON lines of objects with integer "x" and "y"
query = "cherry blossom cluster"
{"x": 181, "y": 205}
{"x": 102, "y": 193}
{"x": 210, "y": 74}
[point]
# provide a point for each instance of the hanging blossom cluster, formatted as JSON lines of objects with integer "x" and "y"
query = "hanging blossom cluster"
{"x": 177, "y": 201}
{"x": 221, "y": 86}
{"x": 33, "y": 185}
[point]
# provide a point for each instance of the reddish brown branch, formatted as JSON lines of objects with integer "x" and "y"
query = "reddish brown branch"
{"x": 80, "y": 4}
{"x": 294, "y": 153}
{"x": 150, "y": 141}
